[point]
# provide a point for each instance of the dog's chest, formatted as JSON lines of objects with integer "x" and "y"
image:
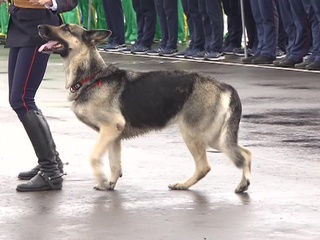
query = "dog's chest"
{"x": 88, "y": 114}
{"x": 94, "y": 107}
{"x": 83, "y": 112}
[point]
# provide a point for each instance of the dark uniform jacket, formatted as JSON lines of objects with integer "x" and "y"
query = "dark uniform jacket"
{"x": 22, "y": 29}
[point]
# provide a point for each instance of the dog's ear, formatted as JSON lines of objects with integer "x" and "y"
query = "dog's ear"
{"x": 96, "y": 36}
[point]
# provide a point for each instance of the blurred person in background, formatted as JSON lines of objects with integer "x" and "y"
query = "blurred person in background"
{"x": 312, "y": 62}
{"x": 146, "y": 21}
{"x": 167, "y": 11}
{"x": 296, "y": 25}
{"x": 265, "y": 15}
{"x": 213, "y": 27}
{"x": 115, "y": 23}
{"x": 195, "y": 26}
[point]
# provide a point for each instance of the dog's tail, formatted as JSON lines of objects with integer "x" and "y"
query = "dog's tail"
{"x": 229, "y": 135}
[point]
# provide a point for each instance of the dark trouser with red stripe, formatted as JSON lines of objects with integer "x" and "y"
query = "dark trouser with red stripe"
{"x": 26, "y": 70}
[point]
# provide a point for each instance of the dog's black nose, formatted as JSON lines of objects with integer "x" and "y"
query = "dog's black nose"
{"x": 40, "y": 27}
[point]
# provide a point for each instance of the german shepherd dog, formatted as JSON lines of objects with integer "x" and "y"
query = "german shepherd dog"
{"x": 122, "y": 104}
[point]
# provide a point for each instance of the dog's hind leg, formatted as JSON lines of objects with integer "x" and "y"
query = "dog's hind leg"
{"x": 114, "y": 154}
{"x": 246, "y": 174}
{"x": 197, "y": 148}
{"x": 108, "y": 135}
{"x": 239, "y": 155}
{"x": 242, "y": 159}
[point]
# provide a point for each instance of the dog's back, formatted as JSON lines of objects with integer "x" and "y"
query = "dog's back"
{"x": 152, "y": 99}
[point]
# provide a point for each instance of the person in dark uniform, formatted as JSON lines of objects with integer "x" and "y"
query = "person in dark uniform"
{"x": 265, "y": 15}
{"x": 212, "y": 20}
{"x": 282, "y": 36}
{"x": 194, "y": 20}
{"x": 167, "y": 11}
{"x": 312, "y": 62}
{"x": 26, "y": 68}
{"x": 146, "y": 21}
{"x": 313, "y": 9}
{"x": 296, "y": 24}
{"x": 233, "y": 39}
{"x": 251, "y": 31}
{"x": 115, "y": 22}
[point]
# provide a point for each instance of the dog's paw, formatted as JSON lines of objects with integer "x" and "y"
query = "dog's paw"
{"x": 110, "y": 185}
{"x": 106, "y": 185}
{"x": 178, "y": 186}
{"x": 100, "y": 187}
{"x": 243, "y": 186}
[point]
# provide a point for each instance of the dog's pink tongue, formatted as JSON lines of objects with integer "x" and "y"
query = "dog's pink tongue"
{"x": 47, "y": 46}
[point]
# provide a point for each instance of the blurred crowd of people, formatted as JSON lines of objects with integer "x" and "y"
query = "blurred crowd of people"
{"x": 285, "y": 33}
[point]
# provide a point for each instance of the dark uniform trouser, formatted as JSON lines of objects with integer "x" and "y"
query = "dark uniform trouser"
{"x": 192, "y": 12}
{"x": 316, "y": 8}
{"x": 115, "y": 22}
{"x": 212, "y": 18}
{"x": 266, "y": 18}
{"x": 296, "y": 25}
{"x": 167, "y": 11}
{"x": 233, "y": 11}
{"x": 236, "y": 25}
{"x": 146, "y": 21}
{"x": 250, "y": 26}
{"x": 312, "y": 7}
{"x": 282, "y": 35}
{"x": 26, "y": 70}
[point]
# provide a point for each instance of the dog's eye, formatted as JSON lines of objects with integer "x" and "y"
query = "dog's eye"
{"x": 66, "y": 27}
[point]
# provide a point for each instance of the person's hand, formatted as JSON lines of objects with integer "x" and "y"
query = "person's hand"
{"x": 40, "y": 2}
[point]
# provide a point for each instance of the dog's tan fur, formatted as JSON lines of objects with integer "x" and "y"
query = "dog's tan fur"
{"x": 127, "y": 104}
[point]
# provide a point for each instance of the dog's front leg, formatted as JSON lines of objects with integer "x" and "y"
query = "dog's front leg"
{"x": 108, "y": 134}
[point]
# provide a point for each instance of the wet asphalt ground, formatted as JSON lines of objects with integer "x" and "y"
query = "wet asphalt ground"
{"x": 281, "y": 126}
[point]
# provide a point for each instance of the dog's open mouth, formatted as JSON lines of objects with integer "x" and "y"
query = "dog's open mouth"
{"x": 52, "y": 47}
{"x": 54, "y": 43}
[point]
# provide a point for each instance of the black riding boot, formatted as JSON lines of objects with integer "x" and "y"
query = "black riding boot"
{"x": 27, "y": 175}
{"x": 49, "y": 176}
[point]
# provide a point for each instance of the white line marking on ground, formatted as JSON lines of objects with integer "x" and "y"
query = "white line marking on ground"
{"x": 216, "y": 62}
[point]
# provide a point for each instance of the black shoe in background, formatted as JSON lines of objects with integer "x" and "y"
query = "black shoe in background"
{"x": 313, "y": 66}
{"x": 249, "y": 59}
{"x": 287, "y": 63}
{"x": 262, "y": 60}
{"x": 303, "y": 64}
{"x": 278, "y": 61}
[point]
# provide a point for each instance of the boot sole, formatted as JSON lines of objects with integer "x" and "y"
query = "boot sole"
{"x": 55, "y": 187}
